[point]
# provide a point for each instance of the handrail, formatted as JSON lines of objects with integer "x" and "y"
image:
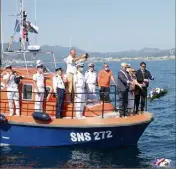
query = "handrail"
{"x": 115, "y": 93}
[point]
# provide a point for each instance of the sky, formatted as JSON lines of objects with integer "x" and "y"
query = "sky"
{"x": 97, "y": 25}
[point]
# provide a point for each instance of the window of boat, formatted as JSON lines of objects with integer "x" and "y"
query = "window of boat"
{"x": 27, "y": 92}
{"x": 47, "y": 91}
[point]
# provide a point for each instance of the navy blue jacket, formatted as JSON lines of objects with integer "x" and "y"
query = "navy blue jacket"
{"x": 140, "y": 77}
{"x": 122, "y": 82}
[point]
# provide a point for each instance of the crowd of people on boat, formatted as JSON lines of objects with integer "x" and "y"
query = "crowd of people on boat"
{"x": 80, "y": 88}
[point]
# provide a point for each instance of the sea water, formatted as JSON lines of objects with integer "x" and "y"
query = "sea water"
{"x": 157, "y": 141}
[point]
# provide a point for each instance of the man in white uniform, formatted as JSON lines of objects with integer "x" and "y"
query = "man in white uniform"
{"x": 59, "y": 89}
{"x": 39, "y": 85}
{"x": 71, "y": 69}
{"x": 79, "y": 87}
{"x": 12, "y": 90}
{"x": 91, "y": 81}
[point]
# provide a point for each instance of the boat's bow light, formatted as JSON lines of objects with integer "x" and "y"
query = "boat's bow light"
{"x": 41, "y": 116}
{"x": 2, "y": 118}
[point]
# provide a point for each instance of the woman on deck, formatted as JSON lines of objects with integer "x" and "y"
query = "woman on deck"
{"x": 131, "y": 93}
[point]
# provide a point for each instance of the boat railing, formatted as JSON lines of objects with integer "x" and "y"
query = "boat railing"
{"x": 113, "y": 99}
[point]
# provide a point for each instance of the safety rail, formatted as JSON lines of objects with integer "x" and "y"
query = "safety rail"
{"x": 47, "y": 100}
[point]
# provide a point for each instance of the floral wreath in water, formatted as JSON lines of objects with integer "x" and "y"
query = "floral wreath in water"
{"x": 163, "y": 162}
{"x": 157, "y": 93}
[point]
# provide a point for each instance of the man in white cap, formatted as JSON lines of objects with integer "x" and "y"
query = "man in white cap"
{"x": 39, "y": 86}
{"x": 79, "y": 87}
{"x": 71, "y": 68}
{"x": 12, "y": 90}
{"x": 91, "y": 81}
{"x": 123, "y": 88}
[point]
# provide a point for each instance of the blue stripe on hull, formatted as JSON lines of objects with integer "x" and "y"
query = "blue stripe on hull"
{"x": 21, "y": 135}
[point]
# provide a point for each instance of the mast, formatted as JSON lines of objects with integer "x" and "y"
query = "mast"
{"x": 22, "y": 39}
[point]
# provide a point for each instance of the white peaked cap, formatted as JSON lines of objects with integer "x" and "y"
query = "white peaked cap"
{"x": 39, "y": 62}
{"x": 7, "y": 66}
{"x": 123, "y": 64}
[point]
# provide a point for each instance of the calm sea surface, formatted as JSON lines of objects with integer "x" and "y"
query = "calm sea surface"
{"x": 157, "y": 141}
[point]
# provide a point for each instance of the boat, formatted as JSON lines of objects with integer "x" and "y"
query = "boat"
{"x": 102, "y": 126}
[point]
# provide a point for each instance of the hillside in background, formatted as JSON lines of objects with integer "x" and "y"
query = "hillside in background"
{"x": 62, "y": 52}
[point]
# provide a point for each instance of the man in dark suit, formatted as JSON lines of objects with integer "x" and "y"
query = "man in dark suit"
{"x": 123, "y": 88}
{"x": 143, "y": 77}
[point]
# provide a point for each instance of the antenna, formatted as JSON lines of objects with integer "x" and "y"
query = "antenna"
{"x": 35, "y": 19}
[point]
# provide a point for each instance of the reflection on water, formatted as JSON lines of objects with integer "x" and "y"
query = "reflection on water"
{"x": 71, "y": 157}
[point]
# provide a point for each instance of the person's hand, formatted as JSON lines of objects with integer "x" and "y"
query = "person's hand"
{"x": 54, "y": 95}
{"x": 146, "y": 80}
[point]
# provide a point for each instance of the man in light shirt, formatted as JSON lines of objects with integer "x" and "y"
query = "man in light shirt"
{"x": 39, "y": 85}
{"x": 12, "y": 90}
{"x": 59, "y": 88}
{"x": 91, "y": 82}
{"x": 71, "y": 69}
{"x": 79, "y": 85}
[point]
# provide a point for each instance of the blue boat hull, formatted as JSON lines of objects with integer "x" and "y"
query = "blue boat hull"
{"x": 31, "y": 135}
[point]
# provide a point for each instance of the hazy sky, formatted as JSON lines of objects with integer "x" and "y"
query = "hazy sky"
{"x": 98, "y": 25}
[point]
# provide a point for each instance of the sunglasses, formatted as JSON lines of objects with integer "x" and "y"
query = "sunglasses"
{"x": 143, "y": 66}
{"x": 40, "y": 67}
{"x": 81, "y": 66}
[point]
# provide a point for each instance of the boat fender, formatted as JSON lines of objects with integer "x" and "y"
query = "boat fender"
{"x": 41, "y": 116}
{"x": 2, "y": 118}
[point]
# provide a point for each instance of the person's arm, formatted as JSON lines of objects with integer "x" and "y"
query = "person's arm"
{"x": 122, "y": 78}
{"x": 86, "y": 76}
{"x": 82, "y": 57}
{"x": 99, "y": 77}
{"x": 35, "y": 82}
{"x": 113, "y": 79}
{"x": 54, "y": 84}
{"x": 6, "y": 78}
{"x": 150, "y": 76}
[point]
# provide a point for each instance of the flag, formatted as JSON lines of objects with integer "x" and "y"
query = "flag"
{"x": 17, "y": 26}
{"x": 33, "y": 28}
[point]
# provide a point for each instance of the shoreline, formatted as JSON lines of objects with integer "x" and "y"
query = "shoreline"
{"x": 100, "y": 59}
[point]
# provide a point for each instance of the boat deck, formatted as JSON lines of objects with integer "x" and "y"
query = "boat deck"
{"x": 87, "y": 122}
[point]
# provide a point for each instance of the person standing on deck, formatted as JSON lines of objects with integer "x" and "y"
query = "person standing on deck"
{"x": 123, "y": 89}
{"x": 39, "y": 86}
{"x": 104, "y": 78}
{"x": 79, "y": 87}
{"x": 91, "y": 81}
{"x": 143, "y": 77}
{"x": 59, "y": 88}
{"x": 71, "y": 70}
{"x": 12, "y": 90}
